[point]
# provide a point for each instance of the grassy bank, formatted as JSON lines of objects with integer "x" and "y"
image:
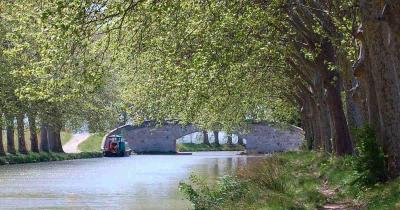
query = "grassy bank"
{"x": 190, "y": 147}
{"x": 65, "y": 137}
{"x": 45, "y": 157}
{"x": 92, "y": 144}
{"x": 293, "y": 181}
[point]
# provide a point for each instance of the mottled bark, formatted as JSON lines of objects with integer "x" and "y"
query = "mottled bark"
{"x": 205, "y": 138}
{"x": 308, "y": 132}
{"x": 50, "y": 137}
{"x": 240, "y": 140}
{"x": 57, "y": 147}
{"x": 229, "y": 140}
{"x": 333, "y": 136}
{"x": 10, "y": 135}
{"x": 331, "y": 78}
{"x": 316, "y": 126}
{"x": 21, "y": 134}
{"x": 358, "y": 96}
{"x": 354, "y": 108}
{"x": 322, "y": 115}
{"x": 343, "y": 143}
{"x": 44, "y": 141}
{"x": 2, "y": 149}
{"x": 366, "y": 84}
{"x": 54, "y": 137}
{"x": 216, "y": 137}
{"x": 327, "y": 134}
{"x": 33, "y": 133}
{"x": 381, "y": 34}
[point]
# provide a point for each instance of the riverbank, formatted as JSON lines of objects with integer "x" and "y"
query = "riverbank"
{"x": 190, "y": 147}
{"x": 303, "y": 180}
{"x": 46, "y": 157}
{"x": 92, "y": 144}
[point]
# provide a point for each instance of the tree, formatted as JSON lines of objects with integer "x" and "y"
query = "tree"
{"x": 240, "y": 140}
{"x": 229, "y": 141}
{"x": 216, "y": 137}
{"x": 21, "y": 134}
{"x": 2, "y": 150}
{"x": 380, "y": 62}
{"x": 10, "y": 134}
{"x": 33, "y": 132}
{"x": 205, "y": 138}
{"x": 44, "y": 141}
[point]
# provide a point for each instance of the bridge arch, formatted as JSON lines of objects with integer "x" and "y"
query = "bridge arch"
{"x": 153, "y": 137}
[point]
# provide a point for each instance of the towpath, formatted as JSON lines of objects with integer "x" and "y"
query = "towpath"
{"x": 72, "y": 145}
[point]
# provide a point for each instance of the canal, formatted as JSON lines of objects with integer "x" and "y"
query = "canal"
{"x": 136, "y": 182}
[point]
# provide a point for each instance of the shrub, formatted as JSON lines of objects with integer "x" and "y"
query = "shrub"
{"x": 227, "y": 189}
{"x": 370, "y": 161}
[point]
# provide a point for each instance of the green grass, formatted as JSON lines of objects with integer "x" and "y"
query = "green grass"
{"x": 45, "y": 157}
{"x": 92, "y": 144}
{"x": 292, "y": 180}
{"x": 65, "y": 137}
{"x": 190, "y": 147}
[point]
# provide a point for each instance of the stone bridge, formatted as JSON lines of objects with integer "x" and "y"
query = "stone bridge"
{"x": 161, "y": 138}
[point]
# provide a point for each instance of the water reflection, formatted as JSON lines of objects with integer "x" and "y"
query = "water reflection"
{"x": 137, "y": 182}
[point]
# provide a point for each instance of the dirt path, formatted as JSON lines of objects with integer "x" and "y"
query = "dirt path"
{"x": 331, "y": 205}
{"x": 72, "y": 145}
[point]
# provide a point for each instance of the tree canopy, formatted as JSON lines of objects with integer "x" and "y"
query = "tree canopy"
{"x": 327, "y": 66}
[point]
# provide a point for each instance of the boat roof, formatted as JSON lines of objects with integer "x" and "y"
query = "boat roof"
{"x": 115, "y": 136}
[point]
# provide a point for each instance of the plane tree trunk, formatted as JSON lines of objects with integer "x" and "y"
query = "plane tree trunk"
{"x": 380, "y": 21}
{"x": 342, "y": 142}
{"x": 205, "y": 138}
{"x": 33, "y": 133}
{"x": 240, "y": 140}
{"x": 2, "y": 150}
{"x": 54, "y": 137}
{"x": 21, "y": 134}
{"x": 10, "y": 134}
{"x": 216, "y": 137}
{"x": 229, "y": 141}
{"x": 44, "y": 141}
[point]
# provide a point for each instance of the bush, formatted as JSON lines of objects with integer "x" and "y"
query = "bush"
{"x": 267, "y": 174}
{"x": 370, "y": 161}
{"x": 227, "y": 189}
{"x": 277, "y": 182}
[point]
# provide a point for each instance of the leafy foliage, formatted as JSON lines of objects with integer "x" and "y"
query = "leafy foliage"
{"x": 370, "y": 160}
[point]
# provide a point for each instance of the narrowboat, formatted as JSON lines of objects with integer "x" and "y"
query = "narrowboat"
{"x": 116, "y": 146}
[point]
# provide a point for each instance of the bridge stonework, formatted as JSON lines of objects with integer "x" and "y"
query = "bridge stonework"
{"x": 161, "y": 138}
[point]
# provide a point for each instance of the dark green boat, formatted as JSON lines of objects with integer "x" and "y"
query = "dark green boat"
{"x": 116, "y": 146}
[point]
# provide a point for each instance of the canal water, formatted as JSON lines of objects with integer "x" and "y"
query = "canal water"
{"x": 136, "y": 182}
